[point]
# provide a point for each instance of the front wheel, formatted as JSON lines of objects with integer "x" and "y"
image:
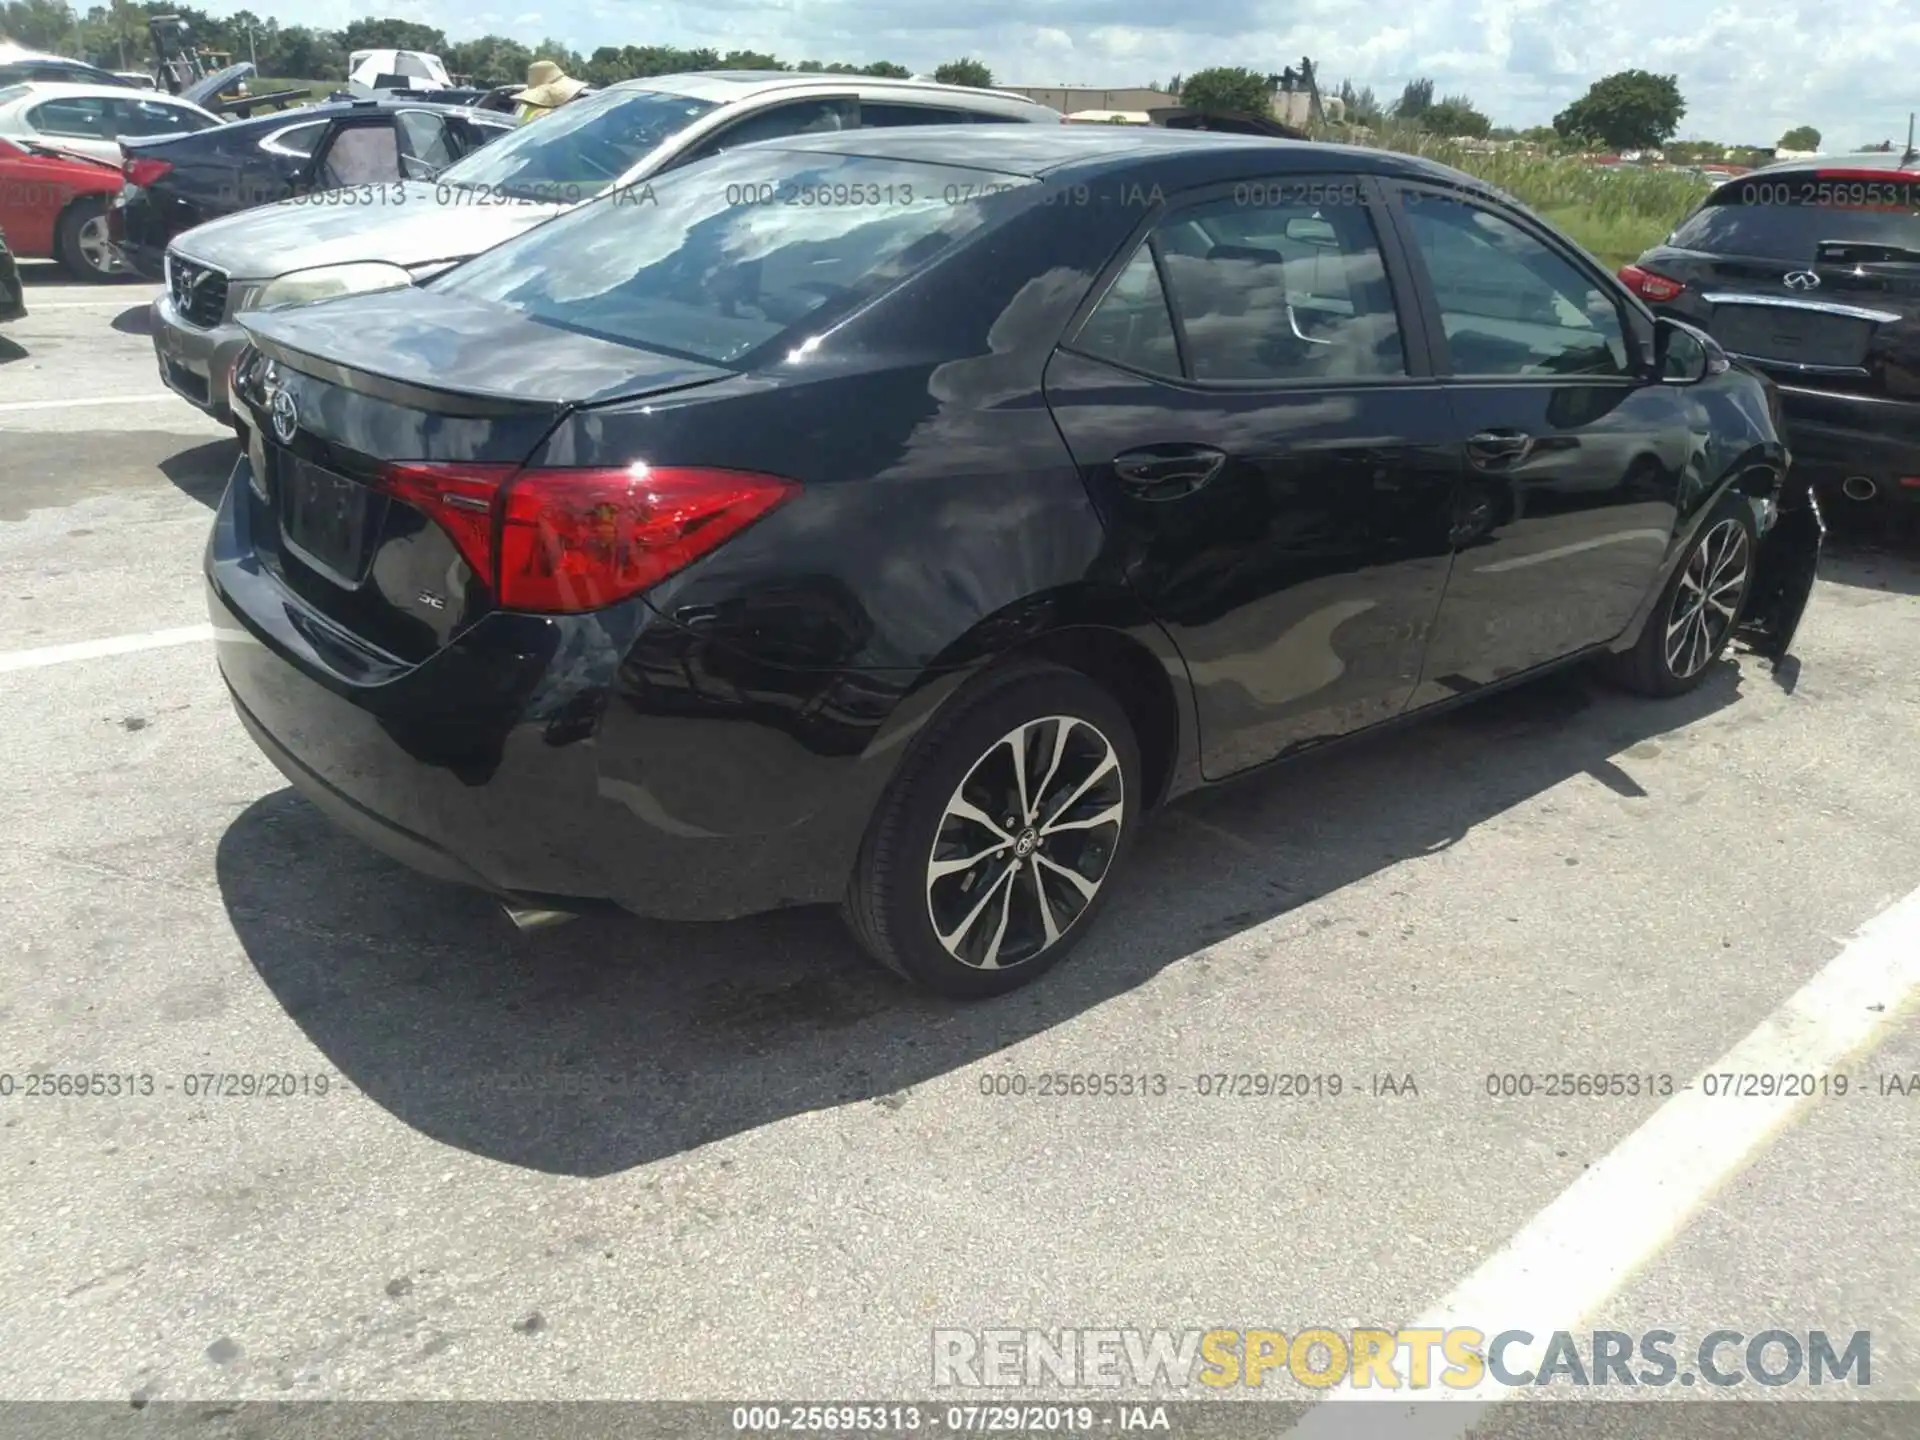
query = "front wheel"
{"x": 995, "y": 847}
{"x": 1697, "y": 611}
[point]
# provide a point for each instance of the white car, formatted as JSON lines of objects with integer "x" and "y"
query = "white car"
{"x": 91, "y": 119}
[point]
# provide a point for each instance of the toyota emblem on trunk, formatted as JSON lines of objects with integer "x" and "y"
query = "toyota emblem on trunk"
{"x": 285, "y": 417}
{"x": 1802, "y": 280}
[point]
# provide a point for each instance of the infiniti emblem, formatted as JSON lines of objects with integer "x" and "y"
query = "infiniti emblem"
{"x": 285, "y": 417}
{"x": 1802, "y": 280}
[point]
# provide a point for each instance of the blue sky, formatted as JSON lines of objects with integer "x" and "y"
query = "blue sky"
{"x": 1748, "y": 71}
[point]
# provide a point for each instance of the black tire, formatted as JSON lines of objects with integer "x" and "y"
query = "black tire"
{"x": 893, "y": 895}
{"x": 71, "y": 241}
{"x": 1698, "y": 633}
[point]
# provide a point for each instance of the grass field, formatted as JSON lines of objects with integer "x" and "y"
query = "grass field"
{"x": 1616, "y": 213}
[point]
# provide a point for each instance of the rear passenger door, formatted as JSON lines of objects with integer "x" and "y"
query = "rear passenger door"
{"x": 1249, "y": 401}
{"x": 362, "y": 152}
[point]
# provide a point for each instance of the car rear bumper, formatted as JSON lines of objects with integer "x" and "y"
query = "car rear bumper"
{"x": 561, "y": 762}
{"x": 1837, "y": 436}
{"x": 194, "y": 362}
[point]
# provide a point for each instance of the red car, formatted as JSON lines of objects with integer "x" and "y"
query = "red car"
{"x": 53, "y": 206}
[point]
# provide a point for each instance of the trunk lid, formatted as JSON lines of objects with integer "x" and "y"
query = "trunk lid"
{"x": 340, "y": 395}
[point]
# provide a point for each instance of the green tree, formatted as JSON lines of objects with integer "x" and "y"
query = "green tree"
{"x": 1415, "y": 100}
{"x": 1631, "y": 110}
{"x": 1227, "y": 90}
{"x": 391, "y": 34}
{"x": 965, "y": 71}
{"x": 490, "y": 60}
{"x": 886, "y": 70}
{"x": 561, "y": 53}
{"x": 39, "y": 24}
{"x": 1455, "y": 116}
{"x": 1362, "y": 106}
{"x": 1801, "y": 137}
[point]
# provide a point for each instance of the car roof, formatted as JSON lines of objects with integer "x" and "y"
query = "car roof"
{"x": 1866, "y": 160}
{"x": 1150, "y": 154}
{"x": 725, "y": 86}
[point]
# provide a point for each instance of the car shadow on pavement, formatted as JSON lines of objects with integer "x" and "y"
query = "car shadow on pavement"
{"x": 612, "y": 1041}
{"x": 135, "y": 320}
{"x": 10, "y": 352}
{"x": 202, "y": 471}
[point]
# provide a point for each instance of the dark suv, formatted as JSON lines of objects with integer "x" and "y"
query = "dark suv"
{"x": 1810, "y": 270}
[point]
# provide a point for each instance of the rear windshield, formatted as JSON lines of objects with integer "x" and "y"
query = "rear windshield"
{"x": 1787, "y": 217}
{"x": 580, "y": 149}
{"x": 720, "y": 259}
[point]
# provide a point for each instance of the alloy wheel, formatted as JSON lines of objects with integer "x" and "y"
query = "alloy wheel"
{"x": 96, "y": 249}
{"x": 1707, "y": 602}
{"x": 1025, "y": 842}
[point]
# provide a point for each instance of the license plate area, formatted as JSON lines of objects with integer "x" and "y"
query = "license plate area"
{"x": 327, "y": 521}
{"x": 1794, "y": 337}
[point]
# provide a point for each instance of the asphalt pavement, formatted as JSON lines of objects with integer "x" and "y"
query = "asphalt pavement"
{"x": 631, "y": 1160}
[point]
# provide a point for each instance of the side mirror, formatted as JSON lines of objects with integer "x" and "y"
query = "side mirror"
{"x": 1681, "y": 354}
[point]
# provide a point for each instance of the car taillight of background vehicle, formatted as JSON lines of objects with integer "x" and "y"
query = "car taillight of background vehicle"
{"x": 144, "y": 172}
{"x": 1649, "y": 286}
{"x": 561, "y": 542}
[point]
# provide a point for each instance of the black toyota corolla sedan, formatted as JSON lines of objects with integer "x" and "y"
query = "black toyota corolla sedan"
{"x": 894, "y": 518}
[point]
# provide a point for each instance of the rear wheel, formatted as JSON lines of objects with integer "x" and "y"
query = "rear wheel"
{"x": 80, "y": 241}
{"x": 1697, "y": 612}
{"x": 995, "y": 847}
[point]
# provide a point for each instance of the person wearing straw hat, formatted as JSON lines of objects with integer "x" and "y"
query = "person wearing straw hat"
{"x": 548, "y": 88}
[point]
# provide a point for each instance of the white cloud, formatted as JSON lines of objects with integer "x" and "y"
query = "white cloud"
{"x": 1748, "y": 72}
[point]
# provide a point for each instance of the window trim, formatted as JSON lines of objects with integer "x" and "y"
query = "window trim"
{"x": 1635, "y": 326}
{"x": 1411, "y": 317}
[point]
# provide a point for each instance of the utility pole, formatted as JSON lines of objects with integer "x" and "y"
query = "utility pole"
{"x": 251, "y": 57}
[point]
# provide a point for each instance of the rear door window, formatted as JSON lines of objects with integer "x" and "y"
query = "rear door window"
{"x": 77, "y": 117}
{"x": 1789, "y": 218}
{"x": 156, "y": 117}
{"x": 1280, "y": 283}
{"x": 874, "y": 114}
{"x": 1132, "y": 325}
{"x": 361, "y": 155}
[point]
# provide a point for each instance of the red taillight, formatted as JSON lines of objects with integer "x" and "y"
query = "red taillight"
{"x": 1910, "y": 482}
{"x": 566, "y": 541}
{"x": 1649, "y": 286}
{"x": 144, "y": 172}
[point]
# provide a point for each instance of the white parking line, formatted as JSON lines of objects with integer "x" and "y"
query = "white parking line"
{"x": 86, "y": 305}
{"x": 94, "y": 649}
{"x": 145, "y": 398}
{"x": 1557, "y": 1271}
